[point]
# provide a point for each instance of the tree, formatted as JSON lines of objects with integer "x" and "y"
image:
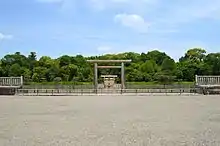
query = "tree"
{"x": 188, "y": 70}
{"x": 193, "y": 64}
{"x": 149, "y": 66}
{"x": 168, "y": 65}
{"x": 68, "y": 72}
{"x": 52, "y": 72}
{"x": 27, "y": 74}
{"x": 64, "y": 60}
{"x": 155, "y": 55}
{"x": 135, "y": 76}
{"x": 39, "y": 74}
{"x": 212, "y": 62}
{"x": 195, "y": 54}
{"x": 32, "y": 58}
{"x": 15, "y": 70}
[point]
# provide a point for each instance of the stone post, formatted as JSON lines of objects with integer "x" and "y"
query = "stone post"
{"x": 95, "y": 76}
{"x": 196, "y": 79}
{"x": 122, "y": 76}
{"x": 22, "y": 82}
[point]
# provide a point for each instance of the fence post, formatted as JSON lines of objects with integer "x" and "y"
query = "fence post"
{"x": 21, "y": 80}
{"x": 196, "y": 79}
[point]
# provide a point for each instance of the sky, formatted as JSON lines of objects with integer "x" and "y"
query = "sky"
{"x": 95, "y": 27}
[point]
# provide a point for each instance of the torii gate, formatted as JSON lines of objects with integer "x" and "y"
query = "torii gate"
{"x": 109, "y": 61}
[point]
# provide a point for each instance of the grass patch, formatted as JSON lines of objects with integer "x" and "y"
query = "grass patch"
{"x": 158, "y": 83}
{"x": 58, "y": 83}
{"x": 90, "y": 83}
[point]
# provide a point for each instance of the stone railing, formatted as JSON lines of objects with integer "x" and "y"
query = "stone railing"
{"x": 207, "y": 80}
{"x": 11, "y": 81}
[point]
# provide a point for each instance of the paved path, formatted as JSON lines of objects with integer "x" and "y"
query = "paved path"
{"x": 110, "y": 121}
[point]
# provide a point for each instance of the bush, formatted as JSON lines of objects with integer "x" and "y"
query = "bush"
{"x": 57, "y": 79}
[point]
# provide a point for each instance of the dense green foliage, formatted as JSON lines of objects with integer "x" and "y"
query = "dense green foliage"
{"x": 145, "y": 67}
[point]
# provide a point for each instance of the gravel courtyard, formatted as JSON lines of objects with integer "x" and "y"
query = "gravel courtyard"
{"x": 110, "y": 121}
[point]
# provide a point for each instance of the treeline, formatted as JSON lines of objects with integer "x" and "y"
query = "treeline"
{"x": 145, "y": 67}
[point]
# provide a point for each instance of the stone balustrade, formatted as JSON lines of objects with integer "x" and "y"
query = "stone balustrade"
{"x": 207, "y": 80}
{"x": 11, "y": 81}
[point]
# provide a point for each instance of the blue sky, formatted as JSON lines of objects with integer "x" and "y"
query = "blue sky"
{"x": 94, "y": 27}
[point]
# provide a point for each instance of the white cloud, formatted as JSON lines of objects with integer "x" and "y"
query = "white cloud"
{"x": 188, "y": 11}
{"x": 104, "y": 48}
{"x": 133, "y": 21}
{"x": 50, "y": 1}
{"x": 205, "y": 9}
{"x": 5, "y": 37}
{"x": 119, "y": 48}
{"x": 67, "y": 7}
{"x": 129, "y": 4}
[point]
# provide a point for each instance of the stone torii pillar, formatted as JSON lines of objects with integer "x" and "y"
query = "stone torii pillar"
{"x": 122, "y": 76}
{"x": 95, "y": 75}
{"x": 96, "y": 67}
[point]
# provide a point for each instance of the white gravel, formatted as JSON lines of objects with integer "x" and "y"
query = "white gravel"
{"x": 110, "y": 121}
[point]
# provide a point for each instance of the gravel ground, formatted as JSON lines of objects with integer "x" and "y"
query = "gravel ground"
{"x": 110, "y": 121}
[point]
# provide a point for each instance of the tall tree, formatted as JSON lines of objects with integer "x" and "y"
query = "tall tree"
{"x": 32, "y": 58}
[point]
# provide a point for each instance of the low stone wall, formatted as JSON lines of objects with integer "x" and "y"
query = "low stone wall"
{"x": 209, "y": 90}
{"x": 7, "y": 91}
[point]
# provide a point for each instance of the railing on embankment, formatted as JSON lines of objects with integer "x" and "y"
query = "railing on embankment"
{"x": 207, "y": 81}
{"x": 208, "y": 84}
{"x": 9, "y": 85}
{"x": 11, "y": 81}
{"x": 74, "y": 92}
